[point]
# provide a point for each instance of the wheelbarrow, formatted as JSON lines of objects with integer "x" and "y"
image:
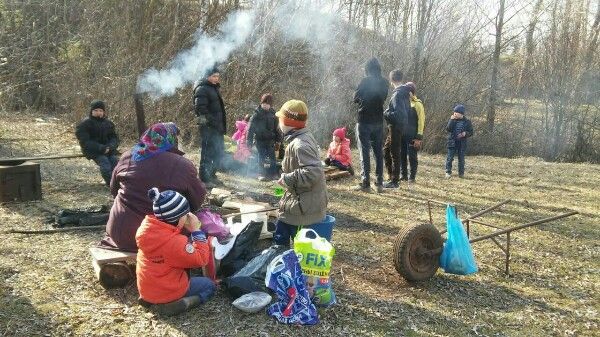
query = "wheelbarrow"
{"x": 417, "y": 248}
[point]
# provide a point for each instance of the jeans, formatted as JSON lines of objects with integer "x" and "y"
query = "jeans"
{"x": 391, "y": 152}
{"x": 459, "y": 148}
{"x": 266, "y": 155}
{"x": 202, "y": 287}
{"x": 283, "y": 233}
{"x": 407, "y": 150}
{"x": 211, "y": 153}
{"x": 107, "y": 164}
{"x": 336, "y": 163}
{"x": 370, "y": 136}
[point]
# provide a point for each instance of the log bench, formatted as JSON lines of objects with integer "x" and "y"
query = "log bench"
{"x": 113, "y": 268}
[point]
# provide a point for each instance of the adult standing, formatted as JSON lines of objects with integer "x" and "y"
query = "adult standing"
{"x": 370, "y": 96}
{"x": 154, "y": 162}
{"x": 210, "y": 109}
{"x": 413, "y": 137}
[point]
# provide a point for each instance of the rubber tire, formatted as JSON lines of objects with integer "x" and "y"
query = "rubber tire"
{"x": 403, "y": 244}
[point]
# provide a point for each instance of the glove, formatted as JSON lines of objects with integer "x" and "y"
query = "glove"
{"x": 417, "y": 144}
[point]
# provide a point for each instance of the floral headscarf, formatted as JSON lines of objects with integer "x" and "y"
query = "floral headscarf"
{"x": 160, "y": 137}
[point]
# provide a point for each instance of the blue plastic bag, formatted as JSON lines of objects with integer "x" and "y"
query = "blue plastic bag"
{"x": 457, "y": 256}
{"x": 293, "y": 306}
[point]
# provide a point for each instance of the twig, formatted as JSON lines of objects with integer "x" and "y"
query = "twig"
{"x": 52, "y": 231}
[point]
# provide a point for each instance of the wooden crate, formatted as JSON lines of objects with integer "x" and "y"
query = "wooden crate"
{"x": 20, "y": 182}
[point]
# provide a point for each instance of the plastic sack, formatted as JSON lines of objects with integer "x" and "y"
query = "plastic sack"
{"x": 314, "y": 253}
{"x": 257, "y": 267}
{"x": 242, "y": 250}
{"x": 212, "y": 224}
{"x": 252, "y": 302}
{"x": 239, "y": 286}
{"x": 293, "y": 306}
{"x": 457, "y": 255}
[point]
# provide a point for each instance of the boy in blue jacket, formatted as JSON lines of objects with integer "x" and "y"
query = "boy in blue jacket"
{"x": 459, "y": 129}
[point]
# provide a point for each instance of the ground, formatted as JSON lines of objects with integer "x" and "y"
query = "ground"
{"x": 48, "y": 288}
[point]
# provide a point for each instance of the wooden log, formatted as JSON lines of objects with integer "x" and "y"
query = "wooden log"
{"x": 111, "y": 268}
{"x": 336, "y": 175}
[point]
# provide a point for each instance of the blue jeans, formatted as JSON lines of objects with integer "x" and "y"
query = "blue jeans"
{"x": 460, "y": 149}
{"x": 107, "y": 165}
{"x": 202, "y": 287}
{"x": 370, "y": 136}
{"x": 283, "y": 233}
{"x": 211, "y": 153}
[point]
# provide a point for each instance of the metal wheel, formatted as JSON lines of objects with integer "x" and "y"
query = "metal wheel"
{"x": 412, "y": 257}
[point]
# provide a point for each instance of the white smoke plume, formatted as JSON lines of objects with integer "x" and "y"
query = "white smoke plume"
{"x": 192, "y": 64}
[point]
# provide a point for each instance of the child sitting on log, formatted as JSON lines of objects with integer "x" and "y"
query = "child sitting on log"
{"x": 164, "y": 254}
{"x": 339, "y": 154}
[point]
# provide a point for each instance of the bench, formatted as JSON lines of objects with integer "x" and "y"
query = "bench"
{"x": 111, "y": 267}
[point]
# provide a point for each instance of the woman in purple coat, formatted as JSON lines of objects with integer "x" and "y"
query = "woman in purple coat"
{"x": 154, "y": 162}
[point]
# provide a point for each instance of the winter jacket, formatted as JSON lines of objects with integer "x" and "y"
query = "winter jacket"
{"x": 371, "y": 94}
{"x": 456, "y": 127}
{"x": 263, "y": 127}
{"x": 305, "y": 200}
{"x": 242, "y": 152}
{"x": 399, "y": 109}
{"x": 95, "y": 135}
{"x": 416, "y": 119}
{"x": 340, "y": 152}
{"x": 162, "y": 259}
{"x": 129, "y": 186}
{"x": 209, "y": 107}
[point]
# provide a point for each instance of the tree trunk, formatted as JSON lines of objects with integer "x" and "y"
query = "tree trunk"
{"x": 491, "y": 116}
{"x": 524, "y": 76}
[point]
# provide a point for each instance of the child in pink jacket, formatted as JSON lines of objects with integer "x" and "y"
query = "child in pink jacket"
{"x": 242, "y": 152}
{"x": 339, "y": 154}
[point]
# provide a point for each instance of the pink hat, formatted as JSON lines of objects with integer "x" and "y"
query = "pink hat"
{"x": 341, "y": 132}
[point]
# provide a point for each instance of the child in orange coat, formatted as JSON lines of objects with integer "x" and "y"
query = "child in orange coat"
{"x": 339, "y": 154}
{"x": 164, "y": 254}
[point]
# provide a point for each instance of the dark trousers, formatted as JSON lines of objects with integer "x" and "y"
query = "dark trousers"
{"x": 107, "y": 165}
{"x": 392, "y": 151}
{"x": 336, "y": 163}
{"x": 266, "y": 158}
{"x": 284, "y": 233}
{"x": 370, "y": 136}
{"x": 460, "y": 149}
{"x": 202, "y": 287}
{"x": 211, "y": 153}
{"x": 408, "y": 150}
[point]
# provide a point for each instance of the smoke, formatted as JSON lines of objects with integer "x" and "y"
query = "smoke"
{"x": 192, "y": 64}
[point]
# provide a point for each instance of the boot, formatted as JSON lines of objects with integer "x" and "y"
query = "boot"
{"x": 179, "y": 306}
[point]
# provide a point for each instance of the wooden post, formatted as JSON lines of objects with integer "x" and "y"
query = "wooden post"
{"x": 139, "y": 113}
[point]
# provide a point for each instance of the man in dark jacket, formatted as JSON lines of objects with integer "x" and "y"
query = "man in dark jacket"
{"x": 459, "y": 129}
{"x": 370, "y": 96}
{"x": 396, "y": 116}
{"x": 263, "y": 132}
{"x": 98, "y": 139}
{"x": 209, "y": 107}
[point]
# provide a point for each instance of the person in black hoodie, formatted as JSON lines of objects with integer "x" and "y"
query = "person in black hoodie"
{"x": 210, "y": 109}
{"x": 459, "y": 129}
{"x": 263, "y": 132}
{"x": 396, "y": 116}
{"x": 98, "y": 139}
{"x": 370, "y": 96}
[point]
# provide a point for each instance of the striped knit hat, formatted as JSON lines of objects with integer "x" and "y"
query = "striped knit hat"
{"x": 168, "y": 206}
{"x": 293, "y": 113}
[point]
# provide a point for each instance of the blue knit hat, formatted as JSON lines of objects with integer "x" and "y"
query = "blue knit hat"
{"x": 168, "y": 206}
{"x": 460, "y": 109}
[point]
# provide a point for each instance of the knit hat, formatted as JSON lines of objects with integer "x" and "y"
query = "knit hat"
{"x": 341, "y": 133}
{"x": 212, "y": 71}
{"x": 97, "y": 104}
{"x": 411, "y": 87}
{"x": 460, "y": 109}
{"x": 266, "y": 98}
{"x": 293, "y": 113}
{"x": 168, "y": 206}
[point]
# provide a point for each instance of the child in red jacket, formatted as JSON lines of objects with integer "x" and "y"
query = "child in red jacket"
{"x": 164, "y": 254}
{"x": 339, "y": 154}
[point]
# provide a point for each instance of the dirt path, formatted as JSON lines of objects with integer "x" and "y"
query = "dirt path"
{"x": 47, "y": 285}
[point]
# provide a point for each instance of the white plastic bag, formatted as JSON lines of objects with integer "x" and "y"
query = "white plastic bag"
{"x": 252, "y": 302}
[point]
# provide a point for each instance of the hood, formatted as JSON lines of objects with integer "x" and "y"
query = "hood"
{"x": 241, "y": 125}
{"x": 154, "y": 233}
{"x": 295, "y": 133}
{"x": 260, "y": 110}
{"x": 415, "y": 99}
{"x": 373, "y": 67}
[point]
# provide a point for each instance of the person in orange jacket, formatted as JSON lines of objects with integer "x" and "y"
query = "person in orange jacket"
{"x": 164, "y": 254}
{"x": 339, "y": 154}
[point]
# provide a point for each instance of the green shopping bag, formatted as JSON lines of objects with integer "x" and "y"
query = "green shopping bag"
{"x": 314, "y": 253}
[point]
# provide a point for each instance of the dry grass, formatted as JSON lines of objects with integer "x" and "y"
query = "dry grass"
{"x": 48, "y": 288}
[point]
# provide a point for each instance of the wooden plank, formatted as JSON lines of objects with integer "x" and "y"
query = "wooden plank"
{"x": 337, "y": 175}
{"x": 103, "y": 256}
